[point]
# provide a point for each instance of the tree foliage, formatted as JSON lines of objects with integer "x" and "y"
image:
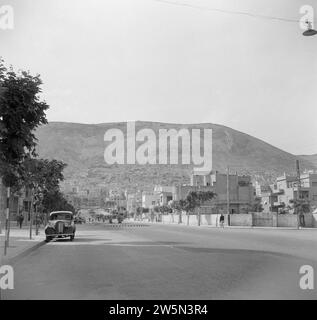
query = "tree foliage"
{"x": 162, "y": 209}
{"x": 195, "y": 199}
{"x": 301, "y": 205}
{"x": 43, "y": 176}
{"x": 257, "y": 205}
{"x": 21, "y": 112}
{"x": 180, "y": 205}
{"x": 55, "y": 201}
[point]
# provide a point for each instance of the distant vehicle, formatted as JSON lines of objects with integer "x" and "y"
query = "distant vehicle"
{"x": 79, "y": 220}
{"x": 60, "y": 225}
{"x": 120, "y": 217}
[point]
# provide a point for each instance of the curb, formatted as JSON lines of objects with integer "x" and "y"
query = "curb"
{"x": 123, "y": 225}
{"x": 23, "y": 254}
{"x": 229, "y": 227}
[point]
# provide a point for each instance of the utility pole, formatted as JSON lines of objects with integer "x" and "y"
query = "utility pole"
{"x": 7, "y": 227}
{"x": 200, "y": 202}
{"x": 298, "y": 209}
{"x": 228, "y": 196}
{"x": 36, "y": 221}
{"x": 31, "y": 214}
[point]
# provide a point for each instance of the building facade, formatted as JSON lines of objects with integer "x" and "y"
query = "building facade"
{"x": 235, "y": 188}
{"x": 280, "y": 196}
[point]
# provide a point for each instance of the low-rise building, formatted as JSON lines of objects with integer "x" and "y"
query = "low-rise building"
{"x": 150, "y": 200}
{"x": 134, "y": 201}
{"x": 282, "y": 194}
{"x": 238, "y": 188}
{"x": 20, "y": 203}
{"x": 165, "y": 194}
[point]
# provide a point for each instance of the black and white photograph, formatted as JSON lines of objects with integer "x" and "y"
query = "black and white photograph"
{"x": 157, "y": 155}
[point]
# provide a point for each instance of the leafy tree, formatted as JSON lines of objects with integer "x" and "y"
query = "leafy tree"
{"x": 257, "y": 206}
{"x": 195, "y": 199}
{"x": 42, "y": 176}
{"x": 42, "y": 172}
{"x": 141, "y": 210}
{"x": 55, "y": 201}
{"x": 181, "y": 205}
{"x": 301, "y": 205}
{"x": 21, "y": 112}
{"x": 164, "y": 209}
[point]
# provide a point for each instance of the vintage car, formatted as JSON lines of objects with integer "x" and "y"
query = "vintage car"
{"x": 60, "y": 225}
{"x": 120, "y": 217}
{"x": 79, "y": 220}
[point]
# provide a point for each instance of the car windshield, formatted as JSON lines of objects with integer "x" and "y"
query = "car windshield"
{"x": 61, "y": 216}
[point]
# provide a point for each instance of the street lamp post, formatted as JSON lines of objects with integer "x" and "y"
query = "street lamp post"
{"x": 228, "y": 196}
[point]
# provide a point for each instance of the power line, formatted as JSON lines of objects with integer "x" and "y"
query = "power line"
{"x": 254, "y": 15}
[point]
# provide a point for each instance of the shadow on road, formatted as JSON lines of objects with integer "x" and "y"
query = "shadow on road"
{"x": 84, "y": 240}
{"x": 232, "y": 251}
{"x": 158, "y": 243}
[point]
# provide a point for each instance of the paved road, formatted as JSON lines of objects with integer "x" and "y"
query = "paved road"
{"x": 168, "y": 262}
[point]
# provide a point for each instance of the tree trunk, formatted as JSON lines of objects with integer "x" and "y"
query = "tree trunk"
{"x": 7, "y": 225}
{"x": 31, "y": 216}
{"x": 36, "y": 222}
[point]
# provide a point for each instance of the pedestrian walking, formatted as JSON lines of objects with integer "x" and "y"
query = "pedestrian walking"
{"x": 222, "y": 220}
{"x": 20, "y": 220}
{"x": 302, "y": 219}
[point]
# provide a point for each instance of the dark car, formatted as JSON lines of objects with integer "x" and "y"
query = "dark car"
{"x": 79, "y": 220}
{"x": 120, "y": 217}
{"x": 60, "y": 225}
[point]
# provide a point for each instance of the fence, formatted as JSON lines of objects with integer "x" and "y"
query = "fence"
{"x": 254, "y": 219}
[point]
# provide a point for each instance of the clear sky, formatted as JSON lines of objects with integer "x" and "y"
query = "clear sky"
{"x": 119, "y": 60}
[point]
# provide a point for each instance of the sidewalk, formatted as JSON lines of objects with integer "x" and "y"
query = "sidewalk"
{"x": 225, "y": 227}
{"x": 20, "y": 243}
